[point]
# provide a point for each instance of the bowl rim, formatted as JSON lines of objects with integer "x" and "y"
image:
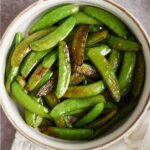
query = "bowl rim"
{"x": 131, "y": 127}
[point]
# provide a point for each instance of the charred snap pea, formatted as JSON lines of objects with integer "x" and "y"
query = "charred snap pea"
{"x": 88, "y": 71}
{"x": 138, "y": 76}
{"x": 85, "y": 90}
{"x": 91, "y": 115}
{"x": 77, "y": 51}
{"x": 96, "y": 37}
{"x": 126, "y": 73}
{"x": 23, "y": 48}
{"x": 21, "y": 80}
{"x": 76, "y": 79}
{"x": 108, "y": 19}
{"x": 121, "y": 44}
{"x": 53, "y": 38}
{"x": 48, "y": 87}
{"x": 28, "y": 102}
{"x": 31, "y": 61}
{"x": 115, "y": 59}
{"x": 71, "y": 105}
{"x": 70, "y": 134}
{"x": 12, "y": 71}
{"x": 64, "y": 71}
{"x": 82, "y": 18}
{"x": 101, "y": 121}
{"x": 53, "y": 17}
{"x": 106, "y": 71}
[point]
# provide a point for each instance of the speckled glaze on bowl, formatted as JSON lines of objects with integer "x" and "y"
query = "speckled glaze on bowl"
{"x": 11, "y": 109}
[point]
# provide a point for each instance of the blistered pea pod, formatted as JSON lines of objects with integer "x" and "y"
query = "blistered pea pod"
{"x": 76, "y": 79}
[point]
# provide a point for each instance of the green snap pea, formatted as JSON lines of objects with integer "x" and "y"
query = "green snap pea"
{"x": 101, "y": 121}
{"x": 64, "y": 71}
{"x": 139, "y": 73}
{"x": 71, "y": 105}
{"x": 115, "y": 59}
{"x": 31, "y": 61}
{"x": 70, "y": 134}
{"x": 23, "y": 48}
{"x": 88, "y": 71}
{"x": 96, "y": 28}
{"x": 124, "y": 111}
{"x": 12, "y": 71}
{"x": 49, "y": 59}
{"x": 51, "y": 100}
{"x": 28, "y": 102}
{"x": 107, "y": 73}
{"x": 53, "y": 17}
{"x": 96, "y": 37}
{"x": 85, "y": 90}
{"x": 53, "y": 38}
{"x": 76, "y": 79}
{"x": 121, "y": 44}
{"x": 126, "y": 73}
{"x": 91, "y": 115}
{"x": 31, "y": 118}
{"x": 108, "y": 19}
{"x": 36, "y": 77}
{"x": 78, "y": 46}
{"x": 82, "y": 18}
{"x": 21, "y": 80}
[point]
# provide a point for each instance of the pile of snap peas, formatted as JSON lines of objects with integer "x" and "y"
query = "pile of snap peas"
{"x": 77, "y": 73}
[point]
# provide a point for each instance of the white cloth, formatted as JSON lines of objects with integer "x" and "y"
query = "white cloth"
{"x": 139, "y": 139}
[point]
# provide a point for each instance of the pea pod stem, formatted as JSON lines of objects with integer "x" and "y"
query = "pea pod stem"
{"x": 64, "y": 71}
{"x": 107, "y": 73}
{"x": 53, "y": 38}
{"x": 27, "y": 102}
{"x": 53, "y": 17}
{"x": 108, "y": 19}
{"x": 126, "y": 73}
{"x": 91, "y": 115}
{"x": 70, "y": 134}
{"x": 85, "y": 90}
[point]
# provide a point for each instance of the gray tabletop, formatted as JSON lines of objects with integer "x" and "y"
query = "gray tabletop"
{"x": 10, "y": 8}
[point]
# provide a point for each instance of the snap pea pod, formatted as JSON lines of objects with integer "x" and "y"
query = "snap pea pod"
{"x": 31, "y": 118}
{"x": 45, "y": 78}
{"x": 11, "y": 71}
{"x": 108, "y": 19}
{"x": 70, "y": 134}
{"x": 85, "y": 90}
{"x": 115, "y": 59}
{"x": 107, "y": 73}
{"x": 53, "y": 17}
{"x": 71, "y": 105}
{"x": 76, "y": 78}
{"x": 53, "y": 38}
{"x": 82, "y": 18}
{"x": 121, "y": 44}
{"x": 36, "y": 77}
{"x": 96, "y": 37}
{"x": 91, "y": 115}
{"x": 109, "y": 105}
{"x": 49, "y": 59}
{"x": 96, "y": 28}
{"x": 78, "y": 46}
{"x": 88, "y": 71}
{"x": 126, "y": 73}
{"x": 31, "y": 61}
{"x": 27, "y": 102}
{"x": 139, "y": 74}
{"x": 23, "y": 48}
{"x": 21, "y": 80}
{"x": 124, "y": 111}
{"x": 48, "y": 87}
{"x": 64, "y": 71}
{"x": 51, "y": 100}
{"x": 101, "y": 121}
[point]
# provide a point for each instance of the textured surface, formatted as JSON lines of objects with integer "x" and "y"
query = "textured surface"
{"x": 10, "y": 8}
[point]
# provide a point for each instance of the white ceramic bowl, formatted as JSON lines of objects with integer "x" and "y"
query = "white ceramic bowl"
{"x": 21, "y": 23}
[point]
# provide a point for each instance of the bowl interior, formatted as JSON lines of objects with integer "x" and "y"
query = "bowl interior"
{"x": 21, "y": 23}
